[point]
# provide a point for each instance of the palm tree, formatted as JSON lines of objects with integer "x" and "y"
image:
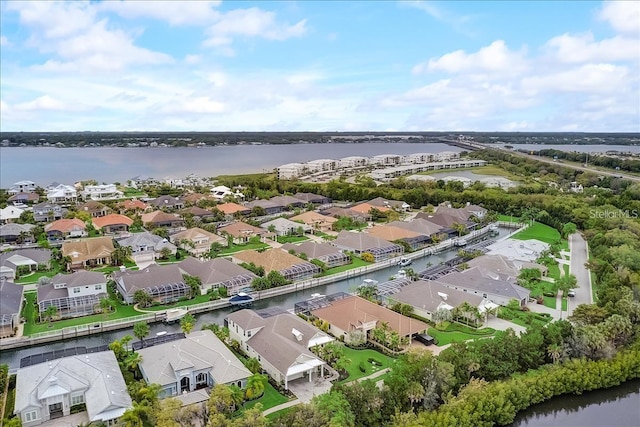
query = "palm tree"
{"x": 253, "y": 365}
{"x": 255, "y": 386}
{"x": 105, "y": 306}
{"x": 215, "y": 249}
{"x": 132, "y": 362}
{"x": 125, "y": 340}
{"x": 50, "y": 313}
{"x": 187, "y": 323}
{"x": 141, "y": 330}
{"x": 237, "y": 394}
{"x": 555, "y": 352}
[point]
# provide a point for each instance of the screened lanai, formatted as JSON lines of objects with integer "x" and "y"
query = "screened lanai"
{"x": 168, "y": 292}
{"x": 385, "y": 252}
{"x": 300, "y": 271}
{"x": 72, "y": 306}
{"x": 237, "y": 283}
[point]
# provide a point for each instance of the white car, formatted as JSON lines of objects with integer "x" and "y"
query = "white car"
{"x": 571, "y": 294}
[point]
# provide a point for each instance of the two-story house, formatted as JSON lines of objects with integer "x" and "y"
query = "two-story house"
{"x": 196, "y": 241}
{"x": 47, "y": 212}
{"x": 73, "y": 295}
{"x": 101, "y": 192}
{"x": 66, "y": 228}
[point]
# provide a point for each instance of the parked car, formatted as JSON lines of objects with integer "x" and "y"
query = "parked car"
{"x": 425, "y": 339}
{"x": 571, "y": 294}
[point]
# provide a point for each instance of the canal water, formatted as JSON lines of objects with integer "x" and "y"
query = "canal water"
{"x": 613, "y": 407}
{"x": 287, "y": 301}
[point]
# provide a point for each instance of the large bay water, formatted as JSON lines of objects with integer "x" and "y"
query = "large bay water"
{"x": 44, "y": 165}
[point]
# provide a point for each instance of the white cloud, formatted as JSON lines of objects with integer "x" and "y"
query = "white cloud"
{"x": 55, "y": 19}
{"x": 623, "y": 16}
{"x": 589, "y": 78}
{"x": 251, "y": 22}
{"x": 584, "y": 48}
{"x": 184, "y": 12}
{"x": 192, "y": 59}
{"x": 4, "y": 41}
{"x": 43, "y": 103}
{"x": 495, "y": 57}
{"x": 458, "y": 22}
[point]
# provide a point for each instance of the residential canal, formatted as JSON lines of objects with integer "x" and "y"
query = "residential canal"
{"x": 613, "y": 407}
{"x": 286, "y": 301}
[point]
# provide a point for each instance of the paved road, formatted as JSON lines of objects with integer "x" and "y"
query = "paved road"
{"x": 579, "y": 257}
{"x": 581, "y": 168}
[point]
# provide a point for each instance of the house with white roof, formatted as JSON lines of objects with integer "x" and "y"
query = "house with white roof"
{"x": 321, "y": 165}
{"x": 198, "y": 361}
{"x": 52, "y": 389}
{"x": 291, "y": 170}
{"x": 220, "y": 192}
{"x": 22, "y": 187}
{"x": 521, "y": 250}
{"x": 10, "y": 214}
{"x": 281, "y": 343}
{"x": 353, "y": 162}
{"x": 101, "y": 192}
{"x": 62, "y": 193}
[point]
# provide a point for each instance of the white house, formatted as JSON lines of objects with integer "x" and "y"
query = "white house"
{"x": 220, "y": 192}
{"x": 353, "y": 162}
{"x": 291, "y": 170}
{"x": 321, "y": 165}
{"x": 51, "y": 389}
{"x": 22, "y": 187}
{"x": 10, "y": 214}
{"x": 62, "y": 193}
{"x": 386, "y": 160}
{"x": 101, "y": 192}
{"x": 73, "y": 295}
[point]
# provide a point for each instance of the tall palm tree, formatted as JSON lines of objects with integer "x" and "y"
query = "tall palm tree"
{"x": 141, "y": 330}
{"x": 132, "y": 362}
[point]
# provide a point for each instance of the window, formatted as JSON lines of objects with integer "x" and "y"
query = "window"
{"x": 98, "y": 287}
{"x": 77, "y": 400}
{"x": 31, "y": 416}
{"x": 249, "y": 333}
{"x": 76, "y": 290}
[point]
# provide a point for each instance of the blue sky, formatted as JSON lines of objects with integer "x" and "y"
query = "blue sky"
{"x": 320, "y": 66}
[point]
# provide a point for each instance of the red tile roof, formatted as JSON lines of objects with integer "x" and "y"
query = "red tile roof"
{"x": 111, "y": 219}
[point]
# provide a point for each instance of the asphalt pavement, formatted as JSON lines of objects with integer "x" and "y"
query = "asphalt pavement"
{"x": 579, "y": 257}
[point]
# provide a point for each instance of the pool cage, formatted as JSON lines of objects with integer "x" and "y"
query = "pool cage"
{"x": 236, "y": 283}
{"x": 335, "y": 259}
{"x": 300, "y": 271}
{"x": 168, "y": 292}
{"x": 72, "y": 306}
{"x": 307, "y": 306}
{"x": 385, "y": 252}
{"x": 392, "y": 286}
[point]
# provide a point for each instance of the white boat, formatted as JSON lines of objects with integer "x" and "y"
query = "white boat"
{"x": 401, "y": 274}
{"x": 404, "y": 262}
{"x": 313, "y": 296}
{"x": 460, "y": 242}
{"x": 175, "y": 314}
{"x": 241, "y": 298}
{"x": 161, "y": 333}
{"x": 369, "y": 282}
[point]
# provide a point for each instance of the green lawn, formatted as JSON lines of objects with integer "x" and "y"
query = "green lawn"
{"x": 237, "y": 248}
{"x": 457, "y": 333}
{"x": 197, "y": 300}
{"x": 33, "y": 277}
{"x": 554, "y": 272}
{"x": 564, "y": 304}
{"x": 550, "y": 302}
{"x": 273, "y": 416}
{"x": 358, "y": 356}
{"x": 291, "y": 239}
{"x": 357, "y": 263}
{"x": 524, "y": 318}
{"x": 508, "y": 218}
{"x": 269, "y": 399}
{"x": 492, "y": 170}
{"x": 132, "y": 192}
{"x": 539, "y": 231}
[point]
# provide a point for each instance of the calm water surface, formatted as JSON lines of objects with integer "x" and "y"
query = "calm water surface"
{"x": 44, "y": 165}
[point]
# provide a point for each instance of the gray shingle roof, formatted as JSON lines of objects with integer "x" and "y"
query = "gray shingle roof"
{"x": 13, "y": 229}
{"x": 97, "y": 374}
{"x": 360, "y": 241}
{"x": 313, "y": 250}
{"x": 198, "y": 351}
{"x": 213, "y": 271}
{"x": 473, "y": 278}
{"x": 11, "y": 298}
{"x": 153, "y": 275}
{"x": 39, "y": 256}
{"x": 429, "y": 295}
{"x": 146, "y": 239}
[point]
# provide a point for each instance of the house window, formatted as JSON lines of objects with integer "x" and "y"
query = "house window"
{"x": 31, "y": 416}
{"x": 259, "y": 358}
{"x": 484, "y": 295}
{"x": 201, "y": 378}
{"x": 77, "y": 400}
{"x": 249, "y": 333}
{"x": 76, "y": 290}
{"x": 98, "y": 287}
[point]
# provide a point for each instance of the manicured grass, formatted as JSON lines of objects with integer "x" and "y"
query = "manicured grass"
{"x": 197, "y": 300}
{"x": 291, "y": 239}
{"x": 269, "y": 399}
{"x": 508, "y": 218}
{"x": 33, "y": 277}
{"x": 554, "y": 272}
{"x": 524, "y": 318}
{"x": 132, "y": 192}
{"x": 564, "y": 304}
{"x": 237, "y": 248}
{"x": 357, "y": 263}
{"x": 540, "y": 232}
{"x": 566, "y": 269}
{"x": 28, "y": 311}
{"x": 273, "y": 416}
{"x": 456, "y": 333}
{"x": 550, "y": 302}
{"x": 362, "y": 356}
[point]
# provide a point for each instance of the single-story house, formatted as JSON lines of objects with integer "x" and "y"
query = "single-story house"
{"x": 10, "y": 306}
{"x": 26, "y": 198}
{"x": 360, "y": 243}
{"x": 220, "y": 192}
{"x": 269, "y": 207}
{"x": 197, "y": 361}
{"x": 396, "y": 205}
{"x": 329, "y": 254}
{"x": 522, "y": 250}
{"x": 336, "y": 212}
{"x": 52, "y": 389}
{"x": 353, "y": 316}
{"x": 93, "y": 208}
{"x": 16, "y": 233}
{"x": 285, "y": 227}
{"x": 316, "y": 221}
{"x": 504, "y": 266}
{"x": 29, "y": 259}
{"x": 88, "y": 252}
{"x": 197, "y": 213}
{"x": 10, "y": 214}
{"x": 218, "y": 273}
{"x": 241, "y": 232}
{"x": 132, "y": 205}
{"x": 290, "y": 266}
{"x": 496, "y": 290}
{"x": 163, "y": 282}
{"x": 167, "y": 202}
{"x": 421, "y": 226}
{"x": 316, "y": 199}
{"x": 288, "y": 202}
{"x": 231, "y": 209}
{"x": 196, "y": 241}
{"x": 427, "y": 297}
{"x": 113, "y": 223}
{"x": 391, "y": 233}
{"x": 365, "y": 209}
{"x": 66, "y": 228}
{"x": 146, "y": 242}
{"x": 172, "y": 222}
{"x": 73, "y": 295}
{"x": 281, "y": 344}
{"x": 193, "y": 198}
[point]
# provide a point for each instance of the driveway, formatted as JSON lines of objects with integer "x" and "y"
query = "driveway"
{"x": 503, "y": 325}
{"x": 73, "y": 420}
{"x": 579, "y": 257}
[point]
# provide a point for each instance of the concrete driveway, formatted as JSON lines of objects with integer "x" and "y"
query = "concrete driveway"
{"x": 579, "y": 257}
{"x": 503, "y": 325}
